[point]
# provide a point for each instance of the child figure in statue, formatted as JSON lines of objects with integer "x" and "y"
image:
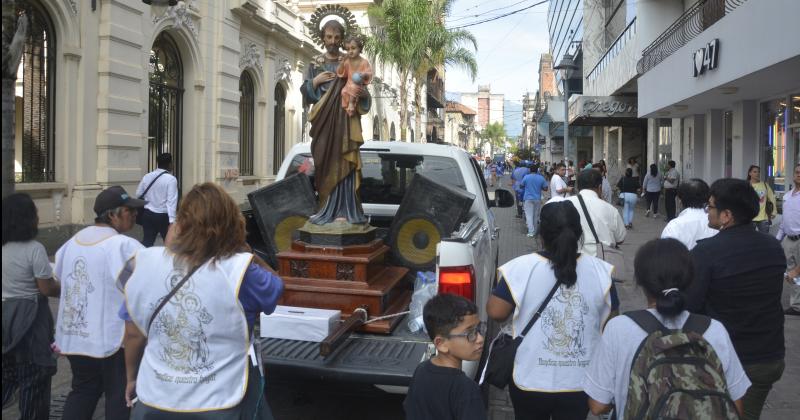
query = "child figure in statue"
{"x": 356, "y": 70}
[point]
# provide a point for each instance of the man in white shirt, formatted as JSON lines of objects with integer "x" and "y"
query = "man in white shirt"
{"x": 160, "y": 189}
{"x": 691, "y": 225}
{"x": 558, "y": 187}
{"x": 789, "y": 235}
{"x": 606, "y": 219}
{"x": 671, "y": 182}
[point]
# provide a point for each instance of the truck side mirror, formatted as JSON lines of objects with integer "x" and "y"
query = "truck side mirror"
{"x": 502, "y": 198}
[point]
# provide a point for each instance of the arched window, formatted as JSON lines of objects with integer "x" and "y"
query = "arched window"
{"x": 280, "y": 127}
{"x": 392, "y": 135}
{"x": 166, "y": 98}
{"x": 376, "y": 128}
{"x": 246, "y": 125}
{"x": 34, "y": 141}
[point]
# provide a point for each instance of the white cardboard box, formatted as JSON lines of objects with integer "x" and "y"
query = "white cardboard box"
{"x": 296, "y": 323}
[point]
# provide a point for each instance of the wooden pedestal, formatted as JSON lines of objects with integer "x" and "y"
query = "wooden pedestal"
{"x": 345, "y": 278}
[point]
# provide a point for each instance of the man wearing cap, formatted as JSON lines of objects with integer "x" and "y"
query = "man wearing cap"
{"x": 88, "y": 330}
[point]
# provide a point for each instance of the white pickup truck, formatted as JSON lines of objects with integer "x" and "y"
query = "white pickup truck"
{"x": 388, "y": 361}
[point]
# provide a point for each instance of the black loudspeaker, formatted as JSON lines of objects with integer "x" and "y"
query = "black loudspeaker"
{"x": 429, "y": 212}
{"x": 280, "y": 209}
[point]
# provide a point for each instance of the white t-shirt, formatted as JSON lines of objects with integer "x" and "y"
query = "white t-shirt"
{"x": 608, "y": 374}
{"x": 689, "y": 227}
{"x": 556, "y": 183}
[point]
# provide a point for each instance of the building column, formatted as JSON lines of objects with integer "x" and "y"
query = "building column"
{"x": 611, "y": 146}
{"x": 676, "y": 141}
{"x": 597, "y": 144}
{"x": 713, "y": 164}
{"x": 650, "y": 155}
{"x": 745, "y": 138}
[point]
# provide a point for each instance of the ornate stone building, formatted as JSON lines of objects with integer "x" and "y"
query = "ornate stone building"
{"x": 106, "y": 85}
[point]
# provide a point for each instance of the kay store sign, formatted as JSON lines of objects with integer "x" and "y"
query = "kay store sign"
{"x": 705, "y": 58}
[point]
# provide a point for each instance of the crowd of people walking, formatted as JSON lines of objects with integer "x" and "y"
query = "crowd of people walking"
{"x": 170, "y": 327}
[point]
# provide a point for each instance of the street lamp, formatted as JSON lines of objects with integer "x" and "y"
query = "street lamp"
{"x": 567, "y": 66}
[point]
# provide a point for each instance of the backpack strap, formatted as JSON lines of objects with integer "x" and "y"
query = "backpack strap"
{"x": 647, "y": 321}
{"x": 697, "y": 323}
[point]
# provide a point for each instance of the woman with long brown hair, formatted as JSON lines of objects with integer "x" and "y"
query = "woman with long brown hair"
{"x": 190, "y": 311}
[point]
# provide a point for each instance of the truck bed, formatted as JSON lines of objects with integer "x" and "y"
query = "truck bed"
{"x": 364, "y": 358}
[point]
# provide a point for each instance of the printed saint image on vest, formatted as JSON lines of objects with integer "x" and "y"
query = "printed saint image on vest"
{"x": 77, "y": 300}
{"x": 563, "y": 324}
{"x": 184, "y": 343}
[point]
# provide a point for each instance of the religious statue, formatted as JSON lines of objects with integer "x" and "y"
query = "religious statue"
{"x": 335, "y": 133}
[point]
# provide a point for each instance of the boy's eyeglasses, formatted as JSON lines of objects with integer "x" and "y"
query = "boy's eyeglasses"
{"x": 472, "y": 334}
{"x": 708, "y": 207}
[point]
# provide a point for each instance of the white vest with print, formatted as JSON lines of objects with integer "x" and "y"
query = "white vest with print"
{"x": 196, "y": 354}
{"x": 557, "y": 349}
{"x": 88, "y": 313}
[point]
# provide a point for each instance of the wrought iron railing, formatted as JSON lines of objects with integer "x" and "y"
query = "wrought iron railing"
{"x": 691, "y": 23}
{"x": 615, "y": 48}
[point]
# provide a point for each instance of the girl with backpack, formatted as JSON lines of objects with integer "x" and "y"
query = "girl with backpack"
{"x": 646, "y": 358}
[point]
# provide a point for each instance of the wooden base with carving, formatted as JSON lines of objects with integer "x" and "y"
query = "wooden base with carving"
{"x": 345, "y": 278}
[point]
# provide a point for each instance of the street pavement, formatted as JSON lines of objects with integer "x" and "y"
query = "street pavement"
{"x": 290, "y": 400}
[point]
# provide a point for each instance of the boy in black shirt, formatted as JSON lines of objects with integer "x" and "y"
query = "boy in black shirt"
{"x": 439, "y": 389}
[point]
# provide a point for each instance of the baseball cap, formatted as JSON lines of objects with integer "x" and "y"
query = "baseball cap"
{"x": 113, "y": 197}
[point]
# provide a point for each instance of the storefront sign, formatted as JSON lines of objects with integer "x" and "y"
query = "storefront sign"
{"x": 705, "y": 58}
{"x": 603, "y": 107}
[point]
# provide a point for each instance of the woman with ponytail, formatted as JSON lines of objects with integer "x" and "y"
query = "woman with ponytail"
{"x": 570, "y": 291}
{"x": 664, "y": 270}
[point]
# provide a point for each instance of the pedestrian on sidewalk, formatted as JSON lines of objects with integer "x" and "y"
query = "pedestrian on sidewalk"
{"x": 652, "y": 189}
{"x": 629, "y": 189}
{"x": 491, "y": 167}
{"x": 88, "y": 330}
{"x": 789, "y": 235}
{"x": 28, "y": 361}
{"x": 739, "y": 280}
{"x": 532, "y": 185}
{"x": 160, "y": 189}
{"x": 672, "y": 181}
{"x": 558, "y": 187}
{"x": 767, "y": 207}
{"x": 190, "y": 311}
{"x": 439, "y": 388}
{"x": 604, "y": 217}
{"x": 663, "y": 271}
{"x": 519, "y": 172}
{"x": 572, "y": 296}
{"x": 692, "y": 224}
{"x": 607, "y": 193}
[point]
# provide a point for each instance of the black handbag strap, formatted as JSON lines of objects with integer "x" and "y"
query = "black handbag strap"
{"x": 169, "y": 296}
{"x": 591, "y": 226}
{"x": 539, "y": 311}
{"x": 141, "y": 197}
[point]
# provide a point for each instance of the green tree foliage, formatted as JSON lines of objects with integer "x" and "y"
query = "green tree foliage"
{"x": 412, "y": 38}
{"x": 493, "y": 134}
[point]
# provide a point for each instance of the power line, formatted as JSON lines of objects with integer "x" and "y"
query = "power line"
{"x": 499, "y": 16}
{"x": 462, "y": 17}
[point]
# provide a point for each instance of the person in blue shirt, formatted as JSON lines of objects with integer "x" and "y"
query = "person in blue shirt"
{"x": 533, "y": 184}
{"x": 519, "y": 172}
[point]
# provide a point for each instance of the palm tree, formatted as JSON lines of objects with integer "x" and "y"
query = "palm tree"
{"x": 412, "y": 37}
{"x": 445, "y": 48}
{"x": 402, "y": 35}
{"x": 14, "y": 32}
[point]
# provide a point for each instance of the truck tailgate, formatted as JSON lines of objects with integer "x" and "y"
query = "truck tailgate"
{"x": 364, "y": 358}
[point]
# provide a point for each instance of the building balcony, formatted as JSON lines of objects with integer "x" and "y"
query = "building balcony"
{"x": 690, "y": 24}
{"x": 435, "y": 88}
{"x": 615, "y": 71}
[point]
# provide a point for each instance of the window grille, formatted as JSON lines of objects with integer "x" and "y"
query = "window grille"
{"x": 246, "y": 124}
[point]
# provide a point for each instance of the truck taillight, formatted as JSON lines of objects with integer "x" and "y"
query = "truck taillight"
{"x": 458, "y": 281}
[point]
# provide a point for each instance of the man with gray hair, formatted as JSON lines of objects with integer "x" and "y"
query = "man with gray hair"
{"x": 88, "y": 330}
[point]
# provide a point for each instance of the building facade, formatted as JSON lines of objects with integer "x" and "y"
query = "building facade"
{"x": 460, "y": 126}
{"x": 103, "y": 87}
{"x": 490, "y": 106}
{"x": 729, "y": 97}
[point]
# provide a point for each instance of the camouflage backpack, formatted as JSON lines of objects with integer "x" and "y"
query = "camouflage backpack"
{"x": 676, "y": 374}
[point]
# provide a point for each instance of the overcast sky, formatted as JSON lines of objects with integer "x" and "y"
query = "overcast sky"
{"x": 508, "y": 48}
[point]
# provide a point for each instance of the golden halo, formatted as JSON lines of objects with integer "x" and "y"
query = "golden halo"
{"x": 328, "y": 12}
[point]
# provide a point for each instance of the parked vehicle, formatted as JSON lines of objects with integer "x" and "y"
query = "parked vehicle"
{"x": 471, "y": 253}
